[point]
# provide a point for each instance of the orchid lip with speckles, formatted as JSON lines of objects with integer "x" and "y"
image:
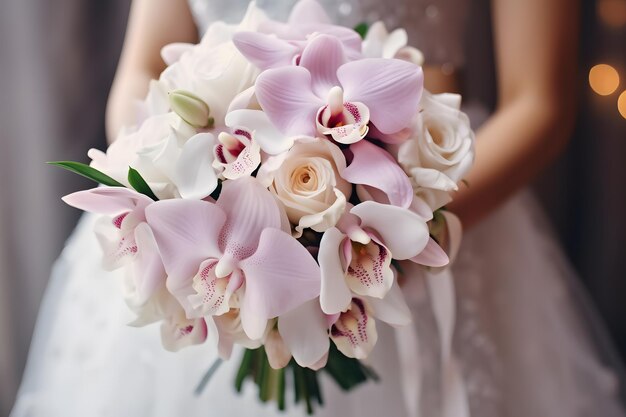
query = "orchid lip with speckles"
{"x": 329, "y": 95}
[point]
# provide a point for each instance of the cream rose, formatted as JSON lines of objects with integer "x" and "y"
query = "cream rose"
{"x": 441, "y": 151}
{"x": 306, "y": 180}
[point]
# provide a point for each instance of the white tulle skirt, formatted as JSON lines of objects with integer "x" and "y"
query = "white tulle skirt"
{"x": 527, "y": 342}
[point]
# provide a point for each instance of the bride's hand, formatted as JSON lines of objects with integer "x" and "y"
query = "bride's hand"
{"x": 152, "y": 24}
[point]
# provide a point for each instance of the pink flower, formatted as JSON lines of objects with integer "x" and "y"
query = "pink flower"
{"x": 126, "y": 239}
{"x": 284, "y": 43}
{"x": 233, "y": 254}
{"x": 355, "y": 257}
{"x": 327, "y": 95}
{"x": 354, "y": 330}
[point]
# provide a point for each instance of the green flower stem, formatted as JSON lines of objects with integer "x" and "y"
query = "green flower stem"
{"x": 244, "y": 368}
{"x": 281, "y": 389}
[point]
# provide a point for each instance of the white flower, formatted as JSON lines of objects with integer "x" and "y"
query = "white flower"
{"x": 441, "y": 151}
{"x": 381, "y": 44}
{"x": 306, "y": 180}
{"x": 174, "y": 160}
{"x": 214, "y": 70}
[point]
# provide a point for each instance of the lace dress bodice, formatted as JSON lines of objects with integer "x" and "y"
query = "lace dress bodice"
{"x": 436, "y": 27}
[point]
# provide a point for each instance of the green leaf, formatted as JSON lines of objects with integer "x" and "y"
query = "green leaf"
{"x": 362, "y": 29}
{"x": 139, "y": 184}
{"x": 87, "y": 172}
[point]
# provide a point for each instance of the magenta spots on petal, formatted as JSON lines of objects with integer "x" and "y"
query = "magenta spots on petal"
{"x": 352, "y": 324}
{"x": 244, "y": 133}
{"x": 219, "y": 153}
{"x": 117, "y": 222}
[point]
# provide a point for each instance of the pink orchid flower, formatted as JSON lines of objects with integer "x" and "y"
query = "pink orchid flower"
{"x": 282, "y": 43}
{"x": 354, "y": 330}
{"x": 329, "y": 95}
{"x": 355, "y": 257}
{"x": 234, "y": 253}
{"x": 123, "y": 210}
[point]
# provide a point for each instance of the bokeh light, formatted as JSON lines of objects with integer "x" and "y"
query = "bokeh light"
{"x": 603, "y": 79}
{"x": 621, "y": 104}
{"x": 612, "y": 12}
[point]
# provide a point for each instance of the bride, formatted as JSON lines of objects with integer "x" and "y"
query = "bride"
{"x": 526, "y": 341}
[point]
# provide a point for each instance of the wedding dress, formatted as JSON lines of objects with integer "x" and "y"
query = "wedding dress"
{"x": 526, "y": 341}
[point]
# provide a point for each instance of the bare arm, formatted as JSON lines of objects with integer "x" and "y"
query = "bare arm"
{"x": 535, "y": 47}
{"x": 152, "y": 24}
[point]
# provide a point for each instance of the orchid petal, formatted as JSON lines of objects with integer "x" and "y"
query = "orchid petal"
{"x": 369, "y": 271}
{"x": 264, "y": 133}
{"x": 280, "y": 275}
{"x": 286, "y": 96}
{"x": 265, "y": 51}
{"x": 118, "y": 246}
{"x": 305, "y": 332}
{"x": 247, "y": 161}
{"x": 250, "y": 209}
{"x": 392, "y": 309}
{"x": 278, "y": 354}
{"x": 354, "y": 332}
{"x": 390, "y": 88}
{"x": 334, "y": 295}
{"x": 322, "y": 57}
{"x": 349, "y": 38}
{"x": 212, "y": 297}
{"x": 252, "y": 323}
{"x": 194, "y": 173}
{"x": 148, "y": 273}
{"x": 432, "y": 255}
{"x": 403, "y": 232}
{"x": 187, "y": 233}
{"x": 375, "y": 167}
{"x": 110, "y": 201}
{"x": 179, "y": 332}
{"x": 308, "y": 11}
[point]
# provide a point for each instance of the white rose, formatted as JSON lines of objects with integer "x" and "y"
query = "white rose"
{"x": 441, "y": 151}
{"x": 214, "y": 69}
{"x": 306, "y": 180}
{"x": 174, "y": 160}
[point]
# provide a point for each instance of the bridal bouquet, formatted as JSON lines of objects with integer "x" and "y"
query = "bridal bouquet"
{"x": 278, "y": 177}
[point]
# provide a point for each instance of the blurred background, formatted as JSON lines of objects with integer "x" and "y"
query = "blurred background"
{"x": 57, "y": 63}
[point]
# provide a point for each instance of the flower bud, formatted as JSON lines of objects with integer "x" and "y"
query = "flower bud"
{"x": 191, "y": 108}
